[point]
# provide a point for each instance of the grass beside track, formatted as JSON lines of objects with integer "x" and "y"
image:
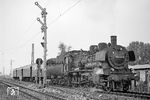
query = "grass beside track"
{"x": 33, "y": 93}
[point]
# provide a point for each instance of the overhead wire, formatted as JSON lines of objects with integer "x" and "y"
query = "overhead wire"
{"x": 59, "y": 8}
{"x": 36, "y": 34}
{"x": 22, "y": 45}
{"x": 26, "y": 31}
{"x": 31, "y": 24}
{"x": 33, "y": 37}
{"x": 64, "y": 12}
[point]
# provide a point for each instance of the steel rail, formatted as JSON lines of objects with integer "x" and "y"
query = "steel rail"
{"x": 32, "y": 96}
{"x": 128, "y": 94}
{"x": 75, "y": 91}
{"x": 51, "y": 95}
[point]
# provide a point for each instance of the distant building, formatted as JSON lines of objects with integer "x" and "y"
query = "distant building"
{"x": 142, "y": 70}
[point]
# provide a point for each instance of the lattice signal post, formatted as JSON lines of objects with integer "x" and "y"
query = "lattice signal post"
{"x": 44, "y": 44}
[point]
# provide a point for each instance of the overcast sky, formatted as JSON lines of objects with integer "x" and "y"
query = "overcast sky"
{"x": 88, "y": 22}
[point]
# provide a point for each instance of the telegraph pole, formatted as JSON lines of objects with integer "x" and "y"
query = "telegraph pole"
{"x": 2, "y": 54}
{"x": 32, "y": 54}
{"x": 11, "y": 61}
{"x": 10, "y": 67}
{"x": 44, "y": 44}
{"x": 3, "y": 70}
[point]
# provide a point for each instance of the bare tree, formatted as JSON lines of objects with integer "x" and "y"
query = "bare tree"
{"x": 63, "y": 48}
{"x": 69, "y": 48}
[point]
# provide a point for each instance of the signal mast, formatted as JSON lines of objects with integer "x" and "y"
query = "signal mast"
{"x": 44, "y": 44}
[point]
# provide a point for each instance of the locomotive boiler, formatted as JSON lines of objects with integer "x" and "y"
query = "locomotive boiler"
{"x": 113, "y": 73}
{"x": 103, "y": 66}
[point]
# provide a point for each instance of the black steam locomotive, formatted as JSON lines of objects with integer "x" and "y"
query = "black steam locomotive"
{"x": 103, "y": 66}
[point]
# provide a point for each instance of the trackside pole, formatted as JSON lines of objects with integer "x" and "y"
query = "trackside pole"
{"x": 44, "y": 44}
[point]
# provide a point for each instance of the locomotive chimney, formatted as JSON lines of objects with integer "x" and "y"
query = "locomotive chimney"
{"x": 113, "y": 40}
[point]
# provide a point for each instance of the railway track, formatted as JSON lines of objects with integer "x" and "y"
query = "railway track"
{"x": 97, "y": 95}
{"x": 78, "y": 93}
{"x": 74, "y": 93}
{"x": 141, "y": 96}
{"x": 32, "y": 94}
{"x": 70, "y": 94}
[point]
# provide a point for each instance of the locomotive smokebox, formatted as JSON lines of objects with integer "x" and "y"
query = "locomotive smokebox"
{"x": 113, "y": 40}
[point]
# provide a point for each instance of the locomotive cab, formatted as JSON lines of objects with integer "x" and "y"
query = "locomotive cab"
{"x": 131, "y": 55}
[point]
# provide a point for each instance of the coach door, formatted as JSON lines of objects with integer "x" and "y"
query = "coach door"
{"x": 16, "y": 73}
{"x": 21, "y": 74}
{"x": 66, "y": 60}
{"x": 30, "y": 71}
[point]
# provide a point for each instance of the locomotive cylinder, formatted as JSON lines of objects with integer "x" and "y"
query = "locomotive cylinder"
{"x": 113, "y": 40}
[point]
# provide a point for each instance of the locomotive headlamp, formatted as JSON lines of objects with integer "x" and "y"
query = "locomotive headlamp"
{"x": 120, "y": 49}
{"x": 112, "y": 69}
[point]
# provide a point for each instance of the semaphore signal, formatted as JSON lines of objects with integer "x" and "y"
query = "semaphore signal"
{"x": 44, "y": 44}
